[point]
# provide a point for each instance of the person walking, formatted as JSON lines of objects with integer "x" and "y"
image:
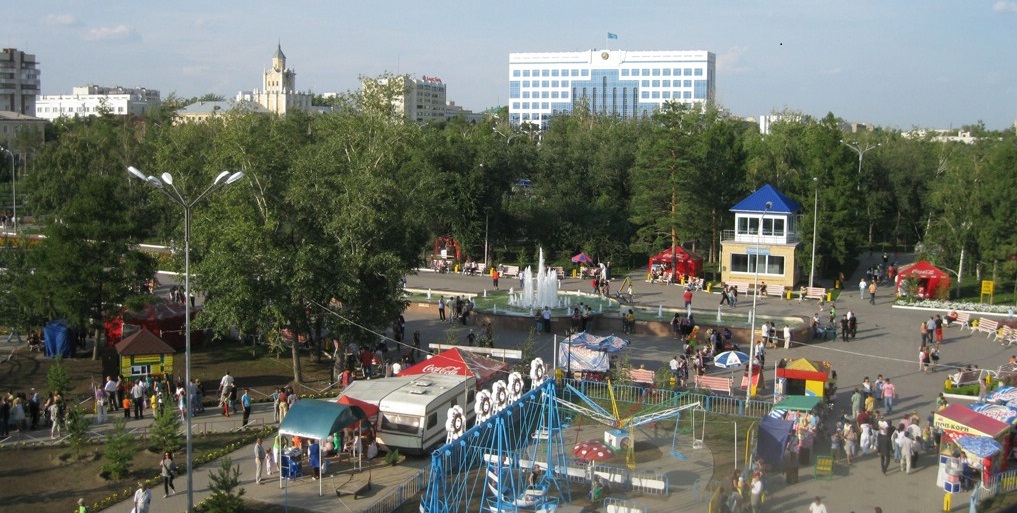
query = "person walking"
{"x": 817, "y": 506}
{"x": 142, "y": 498}
{"x": 872, "y": 293}
{"x": 259, "y": 460}
{"x": 889, "y": 394}
{"x": 884, "y": 445}
{"x": 906, "y": 452}
{"x": 138, "y": 394}
{"x": 756, "y": 493}
{"x": 441, "y": 308}
{"x": 168, "y": 470}
{"x": 245, "y": 401}
{"x": 787, "y": 337}
{"x": 862, "y": 287}
{"x": 495, "y": 275}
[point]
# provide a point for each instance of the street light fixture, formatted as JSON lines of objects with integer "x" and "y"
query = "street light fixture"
{"x": 815, "y": 226}
{"x": 14, "y": 192}
{"x": 755, "y": 296}
{"x": 221, "y": 181}
{"x": 860, "y": 151}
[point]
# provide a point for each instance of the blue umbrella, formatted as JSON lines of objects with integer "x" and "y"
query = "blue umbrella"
{"x": 980, "y": 446}
{"x": 729, "y": 359}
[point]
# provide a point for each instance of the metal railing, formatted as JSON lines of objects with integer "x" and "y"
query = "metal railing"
{"x": 632, "y": 394}
{"x": 403, "y": 493}
{"x": 613, "y": 505}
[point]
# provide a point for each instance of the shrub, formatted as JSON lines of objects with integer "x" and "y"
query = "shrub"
{"x": 77, "y": 430}
{"x": 224, "y": 484}
{"x": 57, "y": 378}
{"x": 165, "y": 435}
{"x": 119, "y": 451}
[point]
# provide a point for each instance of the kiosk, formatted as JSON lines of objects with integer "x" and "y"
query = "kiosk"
{"x": 802, "y": 377}
{"x": 956, "y": 421}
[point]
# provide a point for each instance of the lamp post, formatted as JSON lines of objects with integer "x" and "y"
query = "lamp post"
{"x": 755, "y": 295}
{"x": 860, "y": 151}
{"x": 815, "y": 226}
{"x": 222, "y": 180}
{"x": 14, "y": 192}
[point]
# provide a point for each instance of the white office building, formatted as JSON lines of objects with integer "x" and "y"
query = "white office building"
{"x": 91, "y": 100}
{"x": 628, "y": 84}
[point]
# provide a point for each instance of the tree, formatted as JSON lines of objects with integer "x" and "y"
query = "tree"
{"x": 77, "y": 429}
{"x": 57, "y": 377}
{"x": 119, "y": 451}
{"x": 165, "y": 435}
{"x": 224, "y": 484}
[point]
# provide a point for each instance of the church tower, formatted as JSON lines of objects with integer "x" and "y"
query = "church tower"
{"x": 278, "y": 92}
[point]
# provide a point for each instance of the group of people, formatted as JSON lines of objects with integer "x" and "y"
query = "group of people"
{"x": 21, "y": 411}
{"x": 461, "y": 308}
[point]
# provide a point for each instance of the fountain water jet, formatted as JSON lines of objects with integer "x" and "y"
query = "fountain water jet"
{"x": 539, "y": 289}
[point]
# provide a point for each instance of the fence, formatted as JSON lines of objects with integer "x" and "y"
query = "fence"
{"x": 612, "y": 505}
{"x": 632, "y": 394}
{"x": 1003, "y": 483}
{"x": 403, "y": 493}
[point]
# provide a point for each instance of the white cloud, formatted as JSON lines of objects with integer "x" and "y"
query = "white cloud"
{"x": 830, "y": 71}
{"x": 64, "y": 20}
{"x": 731, "y": 60}
{"x": 117, "y": 33}
{"x": 1004, "y": 6}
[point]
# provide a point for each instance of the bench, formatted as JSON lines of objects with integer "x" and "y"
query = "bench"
{"x": 989, "y": 326}
{"x": 812, "y": 293}
{"x": 824, "y": 467}
{"x": 963, "y": 320}
{"x": 743, "y": 288}
{"x": 966, "y": 378}
{"x": 1009, "y": 336}
{"x": 510, "y": 271}
{"x": 642, "y": 376}
{"x": 478, "y": 270}
{"x": 714, "y": 383}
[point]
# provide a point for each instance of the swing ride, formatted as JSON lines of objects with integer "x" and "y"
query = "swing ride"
{"x": 641, "y": 414}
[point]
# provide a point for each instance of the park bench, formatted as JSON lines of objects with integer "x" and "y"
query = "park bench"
{"x": 1006, "y": 370}
{"x": 812, "y": 293}
{"x": 989, "y": 326}
{"x": 714, "y": 383}
{"x": 743, "y": 288}
{"x": 642, "y": 376}
{"x": 560, "y": 271}
{"x": 510, "y": 271}
{"x": 478, "y": 270}
{"x": 966, "y": 377}
{"x": 963, "y": 320}
{"x": 1008, "y": 336}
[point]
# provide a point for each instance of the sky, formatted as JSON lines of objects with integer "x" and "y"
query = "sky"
{"x": 897, "y": 64}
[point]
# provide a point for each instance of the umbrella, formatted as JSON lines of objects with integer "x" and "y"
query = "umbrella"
{"x": 593, "y": 450}
{"x": 729, "y": 359}
{"x": 980, "y": 446}
{"x": 582, "y": 258}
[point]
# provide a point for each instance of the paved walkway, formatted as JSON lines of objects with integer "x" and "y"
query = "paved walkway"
{"x": 887, "y": 344}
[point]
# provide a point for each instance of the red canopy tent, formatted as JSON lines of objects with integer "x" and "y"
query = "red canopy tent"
{"x": 164, "y": 319}
{"x": 369, "y": 408}
{"x": 930, "y": 281}
{"x": 689, "y": 263}
{"x": 459, "y": 363}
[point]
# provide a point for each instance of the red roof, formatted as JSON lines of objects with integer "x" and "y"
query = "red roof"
{"x": 459, "y": 363}
{"x": 957, "y": 417}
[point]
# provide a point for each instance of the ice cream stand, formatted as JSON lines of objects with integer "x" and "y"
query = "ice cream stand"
{"x": 959, "y": 422}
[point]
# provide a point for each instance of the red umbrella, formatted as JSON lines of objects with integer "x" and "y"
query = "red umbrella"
{"x": 582, "y": 258}
{"x": 593, "y": 450}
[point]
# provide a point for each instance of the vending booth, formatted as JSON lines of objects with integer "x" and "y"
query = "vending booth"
{"x": 958, "y": 421}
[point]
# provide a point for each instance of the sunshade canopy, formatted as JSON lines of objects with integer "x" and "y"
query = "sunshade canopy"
{"x": 313, "y": 418}
{"x": 798, "y": 403}
{"x": 459, "y": 363}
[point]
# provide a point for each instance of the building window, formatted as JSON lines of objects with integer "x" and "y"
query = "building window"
{"x": 747, "y": 226}
{"x": 688, "y": 72}
{"x": 554, "y": 73}
{"x": 699, "y": 72}
{"x": 526, "y": 72}
{"x": 645, "y": 83}
{"x": 667, "y": 83}
{"x": 687, "y": 95}
{"x": 656, "y": 72}
{"x": 646, "y": 72}
{"x": 574, "y": 73}
{"x": 554, "y": 94}
{"x": 526, "y": 83}
{"x": 545, "y": 105}
{"x": 700, "y": 90}
{"x": 544, "y": 94}
{"x": 667, "y": 95}
{"x": 656, "y": 83}
{"x": 585, "y": 73}
{"x": 564, "y": 83}
{"x": 655, "y": 95}
{"x": 526, "y": 94}
{"x": 767, "y": 264}
{"x": 515, "y": 73}
{"x": 554, "y": 83}
{"x": 644, "y": 95}
{"x": 545, "y": 83}
{"x": 565, "y": 95}
{"x": 625, "y": 72}
{"x": 526, "y": 105}
{"x": 667, "y": 72}
{"x": 773, "y": 227}
{"x": 687, "y": 83}
{"x": 545, "y": 73}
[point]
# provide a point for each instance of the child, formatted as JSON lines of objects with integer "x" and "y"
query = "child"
{"x": 127, "y": 407}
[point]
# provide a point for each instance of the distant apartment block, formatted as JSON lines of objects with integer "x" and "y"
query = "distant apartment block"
{"x": 19, "y": 81}
{"x": 278, "y": 93}
{"x": 91, "y": 100}
{"x": 626, "y": 84}
{"x": 13, "y": 125}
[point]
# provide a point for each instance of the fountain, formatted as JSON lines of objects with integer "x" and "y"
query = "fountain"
{"x": 660, "y": 311}
{"x": 428, "y": 294}
{"x": 540, "y": 289}
{"x": 720, "y": 318}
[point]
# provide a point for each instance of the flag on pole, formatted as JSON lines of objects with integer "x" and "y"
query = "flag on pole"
{"x": 612, "y": 36}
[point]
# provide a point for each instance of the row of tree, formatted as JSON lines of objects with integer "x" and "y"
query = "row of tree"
{"x": 336, "y": 208}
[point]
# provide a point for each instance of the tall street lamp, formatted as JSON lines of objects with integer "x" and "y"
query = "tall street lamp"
{"x": 225, "y": 178}
{"x": 755, "y": 295}
{"x": 14, "y": 193}
{"x": 815, "y": 226}
{"x": 860, "y": 151}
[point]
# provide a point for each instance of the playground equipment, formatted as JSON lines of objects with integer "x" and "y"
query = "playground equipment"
{"x": 640, "y": 415}
{"x": 487, "y": 468}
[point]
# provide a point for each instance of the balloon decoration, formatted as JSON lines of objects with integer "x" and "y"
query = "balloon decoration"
{"x": 484, "y": 406}
{"x": 455, "y": 423}
{"x": 501, "y": 395}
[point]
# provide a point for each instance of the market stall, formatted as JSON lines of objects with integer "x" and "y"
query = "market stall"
{"x": 957, "y": 421}
{"x": 923, "y": 281}
{"x": 687, "y": 263}
{"x": 797, "y": 409}
{"x": 588, "y": 354}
